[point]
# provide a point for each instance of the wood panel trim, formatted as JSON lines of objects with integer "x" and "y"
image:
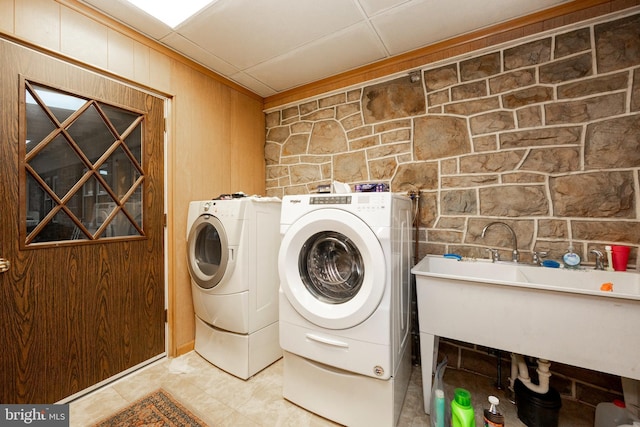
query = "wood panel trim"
{"x": 19, "y": 41}
{"x": 185, "y": 348}
{"x": 565, "y": 14}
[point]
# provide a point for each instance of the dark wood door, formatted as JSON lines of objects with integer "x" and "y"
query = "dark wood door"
{"x": 77, "y": 311}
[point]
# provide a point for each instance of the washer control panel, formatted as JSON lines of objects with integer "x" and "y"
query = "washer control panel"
{"x": 330, "y": 200}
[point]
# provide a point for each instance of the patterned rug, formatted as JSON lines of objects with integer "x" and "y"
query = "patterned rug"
{"x": 158, "y": 409}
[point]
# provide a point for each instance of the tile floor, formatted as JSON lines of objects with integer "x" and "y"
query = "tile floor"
{"x": 221, "y": 399}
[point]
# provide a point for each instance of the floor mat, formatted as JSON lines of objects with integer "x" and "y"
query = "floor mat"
{"x": 158, "y": 409}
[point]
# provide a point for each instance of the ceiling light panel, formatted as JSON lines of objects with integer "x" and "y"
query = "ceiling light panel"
{"x": 171, "y": 13}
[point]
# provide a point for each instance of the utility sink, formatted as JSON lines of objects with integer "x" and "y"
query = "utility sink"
{"x": 618, "y": 284}
{"x": 586, "y": 281}
{"x": 469, "y": 270}
{"x": 562, "y": 315}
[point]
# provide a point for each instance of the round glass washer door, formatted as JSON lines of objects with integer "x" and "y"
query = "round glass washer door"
{"x": 332, "y": 268}
{"x": 207, "y": 251}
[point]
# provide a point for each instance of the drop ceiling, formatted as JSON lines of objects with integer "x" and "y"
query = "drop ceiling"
{"x": 271, "y": 46}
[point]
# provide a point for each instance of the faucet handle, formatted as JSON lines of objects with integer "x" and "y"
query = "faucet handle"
{"x": 495, "y": 255}
{"x": 599, "y": 259}
{"x": 537, "y": 256}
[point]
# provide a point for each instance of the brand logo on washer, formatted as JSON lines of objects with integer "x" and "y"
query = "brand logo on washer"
{"x": 378, "y": 370}
{"x": 295, "y": 201}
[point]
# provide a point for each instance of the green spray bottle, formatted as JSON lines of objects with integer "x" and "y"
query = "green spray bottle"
{"x": 461, "y": 410}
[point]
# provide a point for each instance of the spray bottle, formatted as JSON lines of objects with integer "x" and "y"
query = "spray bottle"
{"x": 493, "y": 418}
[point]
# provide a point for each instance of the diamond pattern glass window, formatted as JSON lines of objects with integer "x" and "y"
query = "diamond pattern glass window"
{"x": 83, "y": 166}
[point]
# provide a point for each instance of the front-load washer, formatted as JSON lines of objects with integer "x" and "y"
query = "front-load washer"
{"x": 232, "y": 248}
{"x": 344, "y": 266}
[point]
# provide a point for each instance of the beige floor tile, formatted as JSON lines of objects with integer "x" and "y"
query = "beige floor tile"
{"x": 97, "y": 405}
{"x": 220, "y": 399}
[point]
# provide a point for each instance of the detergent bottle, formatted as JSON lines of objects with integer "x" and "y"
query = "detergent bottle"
{"x": 461, "y": 410}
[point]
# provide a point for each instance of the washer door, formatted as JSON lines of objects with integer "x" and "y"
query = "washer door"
{"x": 207, "y": 251}
{"x": 332, "y": 268}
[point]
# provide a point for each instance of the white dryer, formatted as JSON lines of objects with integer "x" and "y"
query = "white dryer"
{"x": 344, "y": 267}
{"x": 232, "y": 248}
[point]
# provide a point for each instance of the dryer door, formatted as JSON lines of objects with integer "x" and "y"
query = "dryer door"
{"x": 332, "y": 268}
{"x": 207, "y": 251}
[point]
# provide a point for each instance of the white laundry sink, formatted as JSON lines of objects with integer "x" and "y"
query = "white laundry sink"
{"x": 583, "y": 280}
{"x": 473, "y": 270}
{"x": 587, "y": 281}
{"x": 557, "y": 314}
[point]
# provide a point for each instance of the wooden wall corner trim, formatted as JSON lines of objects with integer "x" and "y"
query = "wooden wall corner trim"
{"x": 184, "y": 349}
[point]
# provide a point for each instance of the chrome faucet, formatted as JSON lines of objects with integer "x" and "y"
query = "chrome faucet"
{"x": 599, "y": 259}
{"x": 515, "y": 255}
{"x": 537, "y": 257}
{"x": 495, "y": 255}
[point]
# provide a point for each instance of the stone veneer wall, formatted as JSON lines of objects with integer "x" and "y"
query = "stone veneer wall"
{"x": 543, "y": 134}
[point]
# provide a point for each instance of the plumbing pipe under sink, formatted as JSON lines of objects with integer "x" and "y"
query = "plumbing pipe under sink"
{"x": 520, "y": 370}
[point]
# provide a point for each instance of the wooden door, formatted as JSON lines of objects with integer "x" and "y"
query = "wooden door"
{"x": 82, "y": 303}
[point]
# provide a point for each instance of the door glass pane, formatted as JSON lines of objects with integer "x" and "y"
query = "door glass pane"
{"x": 35, "y": 201}
{"x": 81, "y": 168}
{"x": 61, "y": 105}
{"x": 119, "y": 118}
{"x": 61, "y": 227}
{"x": 58, "y": 163}
{"x": 41, "y": 123}
{"x": 133, "y": 142}
{"x": 134, "y": 207}
{"x": 91, "y": 134}
{"x": 75, "y": 205}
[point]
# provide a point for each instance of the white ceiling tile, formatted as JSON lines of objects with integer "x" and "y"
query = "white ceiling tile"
{"x": 246, "y": 80}
{"x": 274, "y": 45}
{"x": 247, "y": 32}
{"x": 195, "y": 52}
{"x": 130, "y": 15}
{"x": 341, "y": 52}
{"x": 372, "y": 7}
{"x": 420, "y": 23}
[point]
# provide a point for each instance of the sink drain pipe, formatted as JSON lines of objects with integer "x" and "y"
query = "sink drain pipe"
{"x": 520, "y": 371}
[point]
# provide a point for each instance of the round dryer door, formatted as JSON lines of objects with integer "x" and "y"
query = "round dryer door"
{"x": 332, "y": 268}
{"x": 207, "y": 251}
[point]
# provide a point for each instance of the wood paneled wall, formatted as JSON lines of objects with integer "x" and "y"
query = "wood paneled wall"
{"x": 215, "y": 128}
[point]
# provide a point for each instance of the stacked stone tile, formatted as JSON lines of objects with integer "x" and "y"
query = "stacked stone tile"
{"x": 543, "y": 134}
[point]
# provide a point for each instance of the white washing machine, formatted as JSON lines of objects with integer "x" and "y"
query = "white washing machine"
{"x": 344, "y": 266}
{"x": 232, "y": 248}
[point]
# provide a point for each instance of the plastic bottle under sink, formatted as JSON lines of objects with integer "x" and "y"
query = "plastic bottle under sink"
{"x": 613, "y": 414}
{"x": 462, "y": 414}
